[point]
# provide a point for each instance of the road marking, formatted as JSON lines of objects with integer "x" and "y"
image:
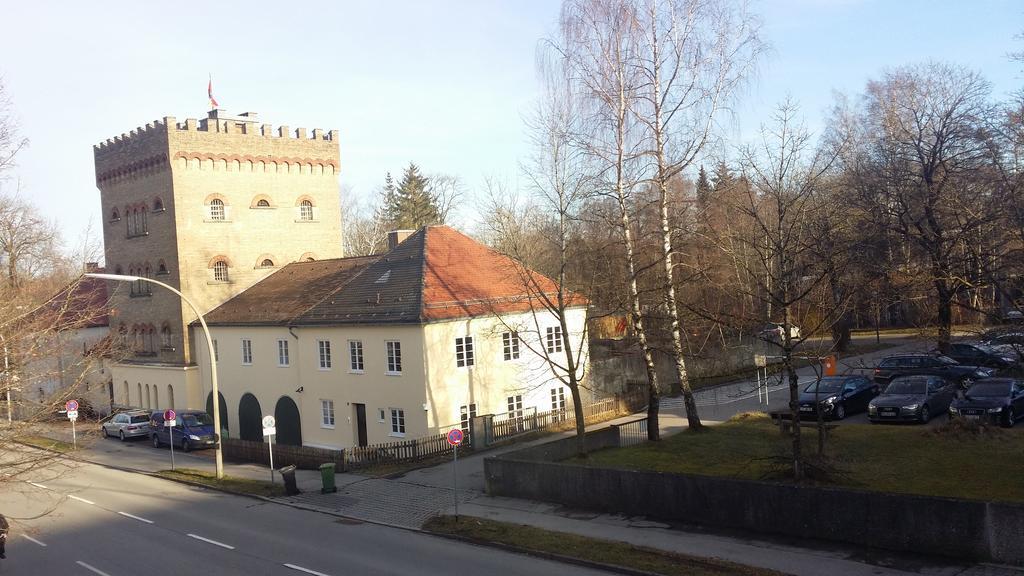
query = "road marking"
{"x": 135, "y": 517}
{"x": 73, "y": 497}
{"x": 306, "y": 570}
{"x": 39, "y": 486}
{"x": 214, "y": 542}
{"x": 34, "y": 540}
{"x": 91, "y": 568}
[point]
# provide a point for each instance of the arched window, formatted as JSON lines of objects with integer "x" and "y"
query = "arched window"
{"x": 216, "y": 209}
{"x": 122, "y": 340}
{"x": 305, "y": 210}
{"x": 310, "y": 259}
{"x": 147, "y": 288}
{"x": 263, "y": 203}
{"x": 158, "y": 205}
{"x": 267, "y": 263}
{"x": 162, "y": 268}
{"x": 151, "y": 340}
{"x": 149, "y": 401}
{"x": 129, "y": 217}
{"x": 115, "y": 215}
{"x": 139, "y": 386}
{"x": 220, "y": 271}
{"x": 170, "y": 396}
{"x": 118, "y": 270}
{"x": 165, "y": 336}
{"x": 127, "y": 398}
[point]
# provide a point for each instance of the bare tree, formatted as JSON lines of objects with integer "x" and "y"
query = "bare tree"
{"x": 10, "y": 141}
{"x": 694, "y": 56}
{"x": 29, "y": 243}
{"x": 363, "y": 230}
{"x": 447, "y": 191}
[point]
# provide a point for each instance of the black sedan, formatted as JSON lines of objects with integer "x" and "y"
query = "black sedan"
{"x": 837, "y": 396}
{"x": 912, "y": 398}
{"x": 981, "y": 355}
{"x": 997, "y": 400}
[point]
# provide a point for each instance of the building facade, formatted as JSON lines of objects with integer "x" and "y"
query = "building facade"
{"x": 210, "y": 207}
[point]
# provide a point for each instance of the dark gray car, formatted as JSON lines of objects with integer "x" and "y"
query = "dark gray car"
{"x": 913, "y": 398}
{"x": 837, "y": 396}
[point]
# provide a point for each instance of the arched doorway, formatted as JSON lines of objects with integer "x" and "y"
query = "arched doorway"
{"x": 209, "y": 410}
{"x": 289, "y": 425}
{"x": 250, "y": 418}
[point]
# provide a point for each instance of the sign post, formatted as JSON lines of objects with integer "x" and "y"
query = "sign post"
{"x": 169, "y": 422}
{"x": 269, "y": 430}
{"x": 455, "y": 438}
{"x": 72, "y": 407}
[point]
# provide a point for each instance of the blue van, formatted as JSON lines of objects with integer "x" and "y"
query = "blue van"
{"x": 192, "y": 429}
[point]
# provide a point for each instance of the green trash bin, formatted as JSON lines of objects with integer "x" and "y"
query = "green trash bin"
{"x": 327, "y": 474}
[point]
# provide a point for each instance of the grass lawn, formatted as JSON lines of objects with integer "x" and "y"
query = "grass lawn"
{"x": 47, "y": 443}
{"x": 591, "y": 549}
{"x": 950, "y": 461}
{"x": 241, "y": 485}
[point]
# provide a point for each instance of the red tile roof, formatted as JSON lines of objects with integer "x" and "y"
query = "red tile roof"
{"x": 436, "y": 274}
{"x": 83, "y": 303}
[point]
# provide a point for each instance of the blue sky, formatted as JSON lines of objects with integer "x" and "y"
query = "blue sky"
{"x": 442, "y": 83}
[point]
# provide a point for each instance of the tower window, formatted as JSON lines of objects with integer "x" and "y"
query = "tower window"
{"x": 115, "y": 215}
{"x": 267, "y": 263}
{"x": 305, "y": 210}
{"x": 262, "y": 204}
{"x": 158, "y": 205}
{"x": 216, "y": 209}
{"x": 220, "y": 271}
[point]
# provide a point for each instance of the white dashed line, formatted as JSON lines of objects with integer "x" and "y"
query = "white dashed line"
{"x": 135, "y": 517}
{"x": 214, "y": 542}
{"x": 91, "y": 568}
{"x": 39, "y": 486}
{"x": 73, "y": 497}
{"x": 31, "y": 539}
{"x": 306, "y": 570}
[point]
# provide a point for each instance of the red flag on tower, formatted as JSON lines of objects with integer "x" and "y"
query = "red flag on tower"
{"x": 209, "y": 92}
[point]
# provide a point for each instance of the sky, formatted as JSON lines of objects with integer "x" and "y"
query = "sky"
{"x": 444, "y": 84}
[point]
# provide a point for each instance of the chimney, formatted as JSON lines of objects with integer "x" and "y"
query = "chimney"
{"x": 396, "y": 237}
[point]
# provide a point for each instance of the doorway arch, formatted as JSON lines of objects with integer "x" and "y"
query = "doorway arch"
{"x": 250, "y": 418}
{"x": 223, "y": 410}
{"x": 289, "y": 424}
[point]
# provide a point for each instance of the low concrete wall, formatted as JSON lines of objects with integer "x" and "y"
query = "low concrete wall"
{"x": 959, "y": 528}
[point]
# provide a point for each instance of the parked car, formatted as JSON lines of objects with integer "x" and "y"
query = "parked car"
{"x": 924, "y": 363}
{"x": 981, "y": 355}
{"x": 838, "y": 396}
{"x": 913, "y": 398}
{"x": 128, "y": 424}
{"x": 192, "y": 429}
{"x": 774, "y": 332}
{"x": 996, "y": 400}
{"x": 1008, "y": 343}
{"x": 1013, "y": 317}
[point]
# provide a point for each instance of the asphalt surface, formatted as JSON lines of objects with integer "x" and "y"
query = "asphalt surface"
{"x": 95, "y": 520}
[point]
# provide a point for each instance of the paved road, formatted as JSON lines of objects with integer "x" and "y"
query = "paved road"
{"x": 104, "y": 521}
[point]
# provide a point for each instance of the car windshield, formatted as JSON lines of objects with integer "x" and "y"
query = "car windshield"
{"x": 827, "y": 386}
{"x": 907, "y": 386}
{"x": 139, "y": 418}
{"x": 201, "y": 419}
{"x": 989, "y": 390}
{"x": 946, "y": 360}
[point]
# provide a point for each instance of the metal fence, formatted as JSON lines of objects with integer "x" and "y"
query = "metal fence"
{"x": 632, "y": 433}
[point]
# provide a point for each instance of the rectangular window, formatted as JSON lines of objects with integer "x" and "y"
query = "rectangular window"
{"x": 558, "y": 403}
{"x": 466, "y": 414}
{"x": 382, "y": 417}
{"x": 324, "y": 347}
{"x": 510, "y": 345}
{"x": 464, "y": 351}
{"x": 515, "y": 406}
{"x": 282, "y": 352}
{"x": 327, "y": 413}
{"x": 398, "y": 421}
{"x": 246, "y": 351}
{"x": 355, "y": 355}
{"x": 394, "y": 348}
{"x": 554, "y": 339}
{"x": 216, "y": 353}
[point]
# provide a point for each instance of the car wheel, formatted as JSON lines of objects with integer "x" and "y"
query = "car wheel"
{"x": 103, "y": 430}
{"x": 839, "y": 413}
{"x": 925, "y": 415}
{"x": 1010, "y": 418}
{"x": 121, "y": 435}
{"x": 156, "y": 441}
{"x": 185, "y": 445}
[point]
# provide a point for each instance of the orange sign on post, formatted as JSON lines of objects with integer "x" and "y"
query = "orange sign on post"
{"x": 830, "y": 366}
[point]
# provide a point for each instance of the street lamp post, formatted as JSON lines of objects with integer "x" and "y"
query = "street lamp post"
{"x": 209, "y": 345}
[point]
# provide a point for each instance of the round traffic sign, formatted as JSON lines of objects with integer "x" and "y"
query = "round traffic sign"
{"x": 169, "y": 414}
{"x": 269, "y": 422}
{"x": 71, "y": 405}
{"x": 455, "y": 437}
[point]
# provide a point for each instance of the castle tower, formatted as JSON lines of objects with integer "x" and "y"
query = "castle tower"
{"x": 210, "y": 207}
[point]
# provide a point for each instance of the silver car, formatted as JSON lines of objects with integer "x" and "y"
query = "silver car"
{"x": 127, "y": 424}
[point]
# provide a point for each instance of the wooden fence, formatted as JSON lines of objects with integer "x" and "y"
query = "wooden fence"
{"x": 402, "y": 451}
{"x": 306, "y": 457}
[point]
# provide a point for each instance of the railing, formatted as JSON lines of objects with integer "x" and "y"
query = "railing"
{"x": 402, "y": 451}
{"x": 632, "y": 433}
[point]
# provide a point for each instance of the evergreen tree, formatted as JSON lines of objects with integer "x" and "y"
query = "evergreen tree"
{"x": 703, "y": 189}
{"x": 723, "y": 177}
{"x": 410, "y": 205}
